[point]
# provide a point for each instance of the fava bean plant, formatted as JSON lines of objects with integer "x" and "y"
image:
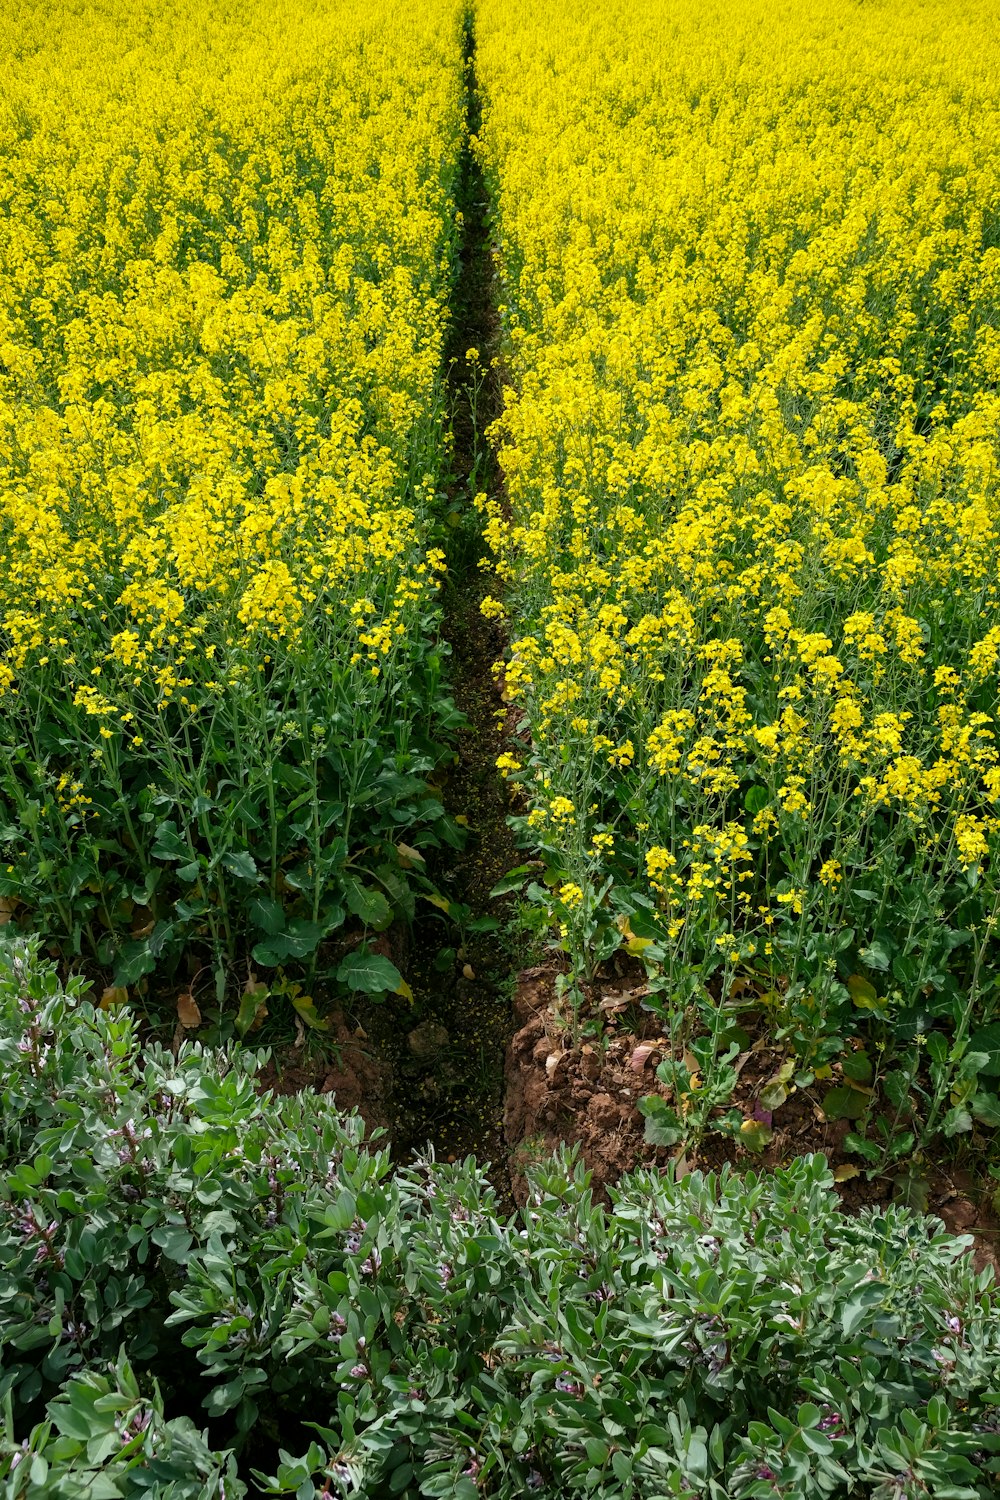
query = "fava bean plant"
{"x": 208, "y": 1291}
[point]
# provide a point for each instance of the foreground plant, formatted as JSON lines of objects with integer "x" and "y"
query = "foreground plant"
{"x": 712, "y": 1337}
{"x": 105, "y": 1439}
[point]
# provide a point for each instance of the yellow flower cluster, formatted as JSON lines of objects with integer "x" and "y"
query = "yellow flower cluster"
{"x": 750, "y": 273}
{"x": 224, "y": 273}
{"x": 220, "y": 327}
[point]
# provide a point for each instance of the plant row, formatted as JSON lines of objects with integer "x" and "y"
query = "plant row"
{"x": 749, "y": 274}
{"x": 229, "y": 246}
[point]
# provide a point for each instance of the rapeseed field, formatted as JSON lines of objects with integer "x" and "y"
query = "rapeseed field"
{"x": 745, "y": 543}
{"x": 226, "y": 258}
{"x": 749, "y": 271}
{"x": 499, "y": 749}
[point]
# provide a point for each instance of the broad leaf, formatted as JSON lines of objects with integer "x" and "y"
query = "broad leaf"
{"x": 242, "y": 865}
{"x": 368, "y": 905}
{"x": 369, "y": 974}
{"x": 663, "y": 1125}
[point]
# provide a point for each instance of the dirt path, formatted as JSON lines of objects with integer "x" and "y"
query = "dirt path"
{"x": 449, "y": 1086}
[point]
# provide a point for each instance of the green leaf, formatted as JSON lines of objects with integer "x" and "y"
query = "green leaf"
{"x": 74, "y": 1421}
{"x": 781, "y": 1424}
{"x": 269, "y": 955}
{"x": 876, "y": 956}
{"x": 484, "y": 924}
{"x": 857, "y": 1065}
{"x": 369, "y": 974}
{"x": 299, "y": 941}
{"x": 267, "y": 914}
{"x": 368, "y": 905}
{"x": 896, "y": 1085}
{"x": 987, "y": 1040}
{"x": 755, "y": 1135}
{"x": 843, "y": 1103}
{"x": 174, "y": 1241}
{"x": 134, "y": 961}
{"x": 937, "y": 1046}
{"x": 512, "y": 881}
{"x": 775, "y": 1091}
{"x": 251, "y": 1001}
{"x": 864, "y": 1148}
{"x": 331, "y": 917}
{"x": 773, "y": 1095}
{"x": 756, "y": 799}
{"x": 302, "y": 938}
{"x": 242, "y": 865}
{"x": 858, "y": 1306}
{"x": 986, "y": 1108}
{"x": 663, "y": 1125}
{"x": 912, "y": 1189}
{"x": 168, "y": 844}
{"x": 957, "y": 1121}
{"x": 223, "y": 1397}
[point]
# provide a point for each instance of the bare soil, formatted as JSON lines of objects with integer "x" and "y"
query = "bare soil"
{"x": 346, "y": 1068}
{"x": 586, "y": 1093}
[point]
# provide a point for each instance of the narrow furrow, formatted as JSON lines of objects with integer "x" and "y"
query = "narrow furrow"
{"x": 450, "y": 1073}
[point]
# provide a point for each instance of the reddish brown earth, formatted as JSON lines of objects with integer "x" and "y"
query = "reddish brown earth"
{"x": 586, "y": 1093}
{"x": 348, "y": 1069}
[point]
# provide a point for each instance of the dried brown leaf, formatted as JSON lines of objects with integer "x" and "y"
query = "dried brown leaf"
{"x": 188, "y": 1012}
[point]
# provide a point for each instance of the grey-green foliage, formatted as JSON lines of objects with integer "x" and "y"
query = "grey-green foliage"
{"x": 105, "y": 1439}
{"x": 715, "y": 1337}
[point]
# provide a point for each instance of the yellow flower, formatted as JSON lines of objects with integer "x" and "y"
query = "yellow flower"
{"x": 970, "y": 840}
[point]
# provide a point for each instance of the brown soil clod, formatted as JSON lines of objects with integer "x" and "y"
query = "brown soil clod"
{"x": 558, "y": 1093}
{"x": 344, "y": 1068}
